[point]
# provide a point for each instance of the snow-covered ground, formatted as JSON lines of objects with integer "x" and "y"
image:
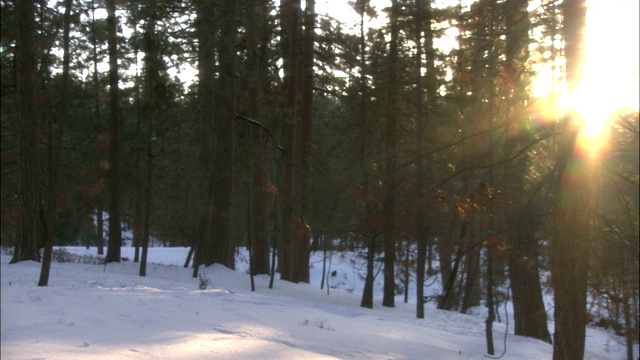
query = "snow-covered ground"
{"x": 109, "y": 312}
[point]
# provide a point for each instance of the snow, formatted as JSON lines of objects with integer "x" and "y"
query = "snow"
{"x": 109, "y": 312}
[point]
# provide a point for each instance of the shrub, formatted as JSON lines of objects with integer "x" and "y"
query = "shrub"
{"x": 62, "y": 256}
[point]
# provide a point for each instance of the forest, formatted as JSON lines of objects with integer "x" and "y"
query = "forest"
{"x": 411, "y": 132}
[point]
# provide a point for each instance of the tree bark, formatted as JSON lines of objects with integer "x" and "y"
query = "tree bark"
{"x": 367, "y": 228}
{"x": 288, "y": 247}
{"x": 151, "y": 106}
{"x": 115, "y": 235}
{"x": 390, "y": 165}
{"x": 570, "y": 245}
{"x": 421, "y": 230}
{"x": 214, "y": 245}
{"x": 303, "y": 143}
{"x": 528, "y": 305}
{"x": 29, "y": 214}
{"x": 96, "y": 113}
{"x": 222, "y": 179}
{"x": 256, "y": 25}
{"x": 205, "y": 29}
{"x": 54, "y": 166}
{"x": 490, "y": 307}
{"x": 471, "y": 295}
{"x": 529, "y": 312}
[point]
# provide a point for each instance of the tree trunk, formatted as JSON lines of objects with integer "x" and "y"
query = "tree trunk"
{"x": 421, "y": 230}
{"x": 290, "y": 23}
{"x": 528, "y": 304}
{"x": 390, "y": 164}
{"x": 471, "y": 295}
{"x": 222, "y": 179}
{"x": 29, "y": 215}
{"x": 56, "y": 151}
{"x": 303, "y": 143}
{"x": 368, "y": 228}
{"x": 490, "y": 308}
{"x": 150, "y": 110}
{"x": 205, "y": 29}
{"x": 529, "y": 312}
{"x": 137, "y": 212}
{"x": 448, "y": 298}
{"x": 256, "y": 71}
{"x": 449, "y": 272}
{"x": 570, "y": 245}
{"x": 96, "y": 113}
{"x": 115, "y": 236}
{"x": 215, "y": 244}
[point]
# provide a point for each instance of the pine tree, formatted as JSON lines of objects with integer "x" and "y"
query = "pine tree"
{"x": 115, "y": 235}
{"x": 570, "y": 245}
{"x": 29, "y": 215}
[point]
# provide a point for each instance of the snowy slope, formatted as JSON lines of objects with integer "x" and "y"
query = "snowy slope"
{"x": 109, "y": 312}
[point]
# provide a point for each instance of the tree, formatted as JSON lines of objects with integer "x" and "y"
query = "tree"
{"x": 528, "y": 305}
{"x": 570, "y": 244}
{"x": 222, "y": 179}
{"x": 298, "y": 81}
{"x": 214, "y": 238}
{"x": 390, "y": 163}
{"x": 257, "y": 41}
{"x": 54, "y": 161}
{"x": 152, "y": 104}
{"x": 115, "y": 235}
{"x": 303, "y": 141}
{"x": 421, "y": 233}
{"x": 97, "y": 115}
{"x": 363, "y": 7}
{"x": 29, "y": 215}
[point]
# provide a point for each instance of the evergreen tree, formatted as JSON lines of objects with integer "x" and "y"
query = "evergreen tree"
{"x": 29, "y": 215}
{"x": 115, "y": 234}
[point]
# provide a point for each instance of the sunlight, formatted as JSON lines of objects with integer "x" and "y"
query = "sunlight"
{"x": 610, "y": 80}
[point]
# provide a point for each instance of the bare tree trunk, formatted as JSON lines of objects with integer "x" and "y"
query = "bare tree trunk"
{"x": 54, "y": 166}
{"x": 288, "y": 247}
{"x": 205, "y": 29}
{"x": 471, "y": 295}
{"x": 303, "y": 142}
{"x": 214, "y": 245}
{"x": 421, "y": 230}
{"x": 369, "y": 237}
{"x": 569, "y": 260}
{"x": 150, "y": 109}
{"x": 96, "y": 113}
{"x": 570, "y": 246}
{"x": 390, "y": 165}
{"x": 490, "y": 307}
{"x": 115, "y": 235}
{"x": 224, "y": 151}
{"x": 528, "y": 305}
{"x": 137, "y": 214}
{"x": 29, "y": 215}
{"x": 258, "y": 173}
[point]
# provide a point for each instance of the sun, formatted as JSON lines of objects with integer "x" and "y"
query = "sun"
{"x": 610, "y": 80}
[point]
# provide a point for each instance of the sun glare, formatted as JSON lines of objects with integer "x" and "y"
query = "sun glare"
{"x": 610, "y": 80}
{"x": 609, "y": 84}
